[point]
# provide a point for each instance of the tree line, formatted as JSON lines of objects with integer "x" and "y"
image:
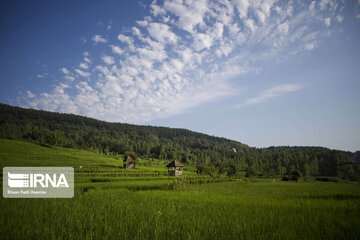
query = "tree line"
{"x": 212, "y": 155}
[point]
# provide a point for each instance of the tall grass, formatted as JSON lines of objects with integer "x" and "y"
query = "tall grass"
{"x": 232, "y": 210}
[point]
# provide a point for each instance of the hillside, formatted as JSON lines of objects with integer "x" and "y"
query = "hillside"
{"x": 20, "y": 153}
{"x": 212, "y": 155}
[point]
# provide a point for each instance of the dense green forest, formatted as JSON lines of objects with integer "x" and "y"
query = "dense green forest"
{"x": 212, "y": 155}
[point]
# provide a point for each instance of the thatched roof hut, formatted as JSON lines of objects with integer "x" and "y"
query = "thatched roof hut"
{"x": 175, "y": 168}
{"x": 129, "y": 162}
{"x": 174, "y": 164}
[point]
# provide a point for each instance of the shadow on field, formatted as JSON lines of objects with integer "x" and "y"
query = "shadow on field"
{"x": 108, "y": 166}
{"x": 86, "y": 189}
{"x": 100, "y": 180}
{"x": 164, "y": 187}
{"x": 335, "y": 197}
{"x": 146, "y": 188}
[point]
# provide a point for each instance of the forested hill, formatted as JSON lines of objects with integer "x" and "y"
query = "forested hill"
{"x": 213, "y": 155}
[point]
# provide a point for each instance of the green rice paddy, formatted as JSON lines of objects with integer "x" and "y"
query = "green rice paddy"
{"x": 111, "y": 206}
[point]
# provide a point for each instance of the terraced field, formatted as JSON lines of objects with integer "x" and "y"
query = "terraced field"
{"x": 114, "y": 203}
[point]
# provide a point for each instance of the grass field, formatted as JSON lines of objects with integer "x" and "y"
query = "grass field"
{"x": 19, "y": 153}
{"x": 160, "y": 207}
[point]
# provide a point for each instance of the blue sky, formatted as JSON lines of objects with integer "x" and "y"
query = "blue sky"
{"x": 262, "y": 72}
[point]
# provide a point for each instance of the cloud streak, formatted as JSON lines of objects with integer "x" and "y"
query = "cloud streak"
{"x": 268, "y": 94}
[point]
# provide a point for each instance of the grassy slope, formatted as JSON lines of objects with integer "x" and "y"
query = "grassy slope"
{"x": 19, "y": 153}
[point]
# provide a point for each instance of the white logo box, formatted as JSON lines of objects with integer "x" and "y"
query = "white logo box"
{"x": 38, "y": 182}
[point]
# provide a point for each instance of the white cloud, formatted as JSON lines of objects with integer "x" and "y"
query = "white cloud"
{"x": 242, "y": 6}
{"x": 65, "y": 70}
{"x": 142, "y": 23}
{"x": 136, "y": 32}
{"x": 41, "y": 64}
{"x": 324, "y": 4}
{"x": 190, "y": 13}
{"x": 187, "y": 53}
{"x": 157, "y": 10}
{"x": 86, "y": 59}
{"x": 310, "y": 46}
{"x": 70, "y": 78}
{"x": 339, "y": 18}
{"x": 108, "y": 59}
{"x": 284, "y": 28}
{"x": 358, "y": 16}
{"x": 116, "y": 49}
{"x": 109, "y": 25}
{"x": 327, "y": 21}
{"x": 161, "y": 32}
{"x": 261, "y": 16}
{"x": 42, "y": 75}
{"x": 57, "y": 100}
{"x": 202, "y": 41}
{"x": 268, "y": 94}
{"x": 83, "y": 66}
{"x": 30, "y": 94}
{"x": 82, "y": 73}
{"x": 250, "y": 24}
{"x": 125, "y": 39}
{"x": 312, "y": 5}
{"x": 98, "y": 38}
{"x": 68, "y": 75}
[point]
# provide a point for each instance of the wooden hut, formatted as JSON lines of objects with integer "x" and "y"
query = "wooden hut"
{"x": 129, "y": 162}
{"x": 175, "y": 168}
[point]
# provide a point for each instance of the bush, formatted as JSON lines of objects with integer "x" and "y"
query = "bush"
{"x": 295, "y": 175}
{"x": 327, "y": 179}
{"x": 284, "y": 178}
{"x": 292, "y": 176}
{"x": 251, "y": 172}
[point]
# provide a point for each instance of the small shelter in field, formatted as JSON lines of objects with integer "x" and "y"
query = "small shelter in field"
{"x": 129, "y": 162}
{"x": 357, "y": 157}
{"x": 175, "y": 168}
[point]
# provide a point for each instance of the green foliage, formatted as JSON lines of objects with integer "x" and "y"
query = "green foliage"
{"x": 213, "y": 155}
{"x": 130, "y": 154}
{"x": 295, "y": 175}
{"x": 251, "y": 172}
{"x": 112, "y": 203}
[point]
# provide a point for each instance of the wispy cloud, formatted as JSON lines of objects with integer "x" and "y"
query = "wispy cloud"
{"x": 29, "y": 94}
{"x": 83, "y": 66}
{"x": 42, "y": 75}
{"x": 108, "y": 59}
{"x": 186, "y": 53}
{"x": 98, "y": 38}
{"x": 116, "y": 49}
{"x": 268, "y": 94}
{"x": 65, "y": 70}
{"x": 41, "y": 64}
{"x": 82, "y": 73}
